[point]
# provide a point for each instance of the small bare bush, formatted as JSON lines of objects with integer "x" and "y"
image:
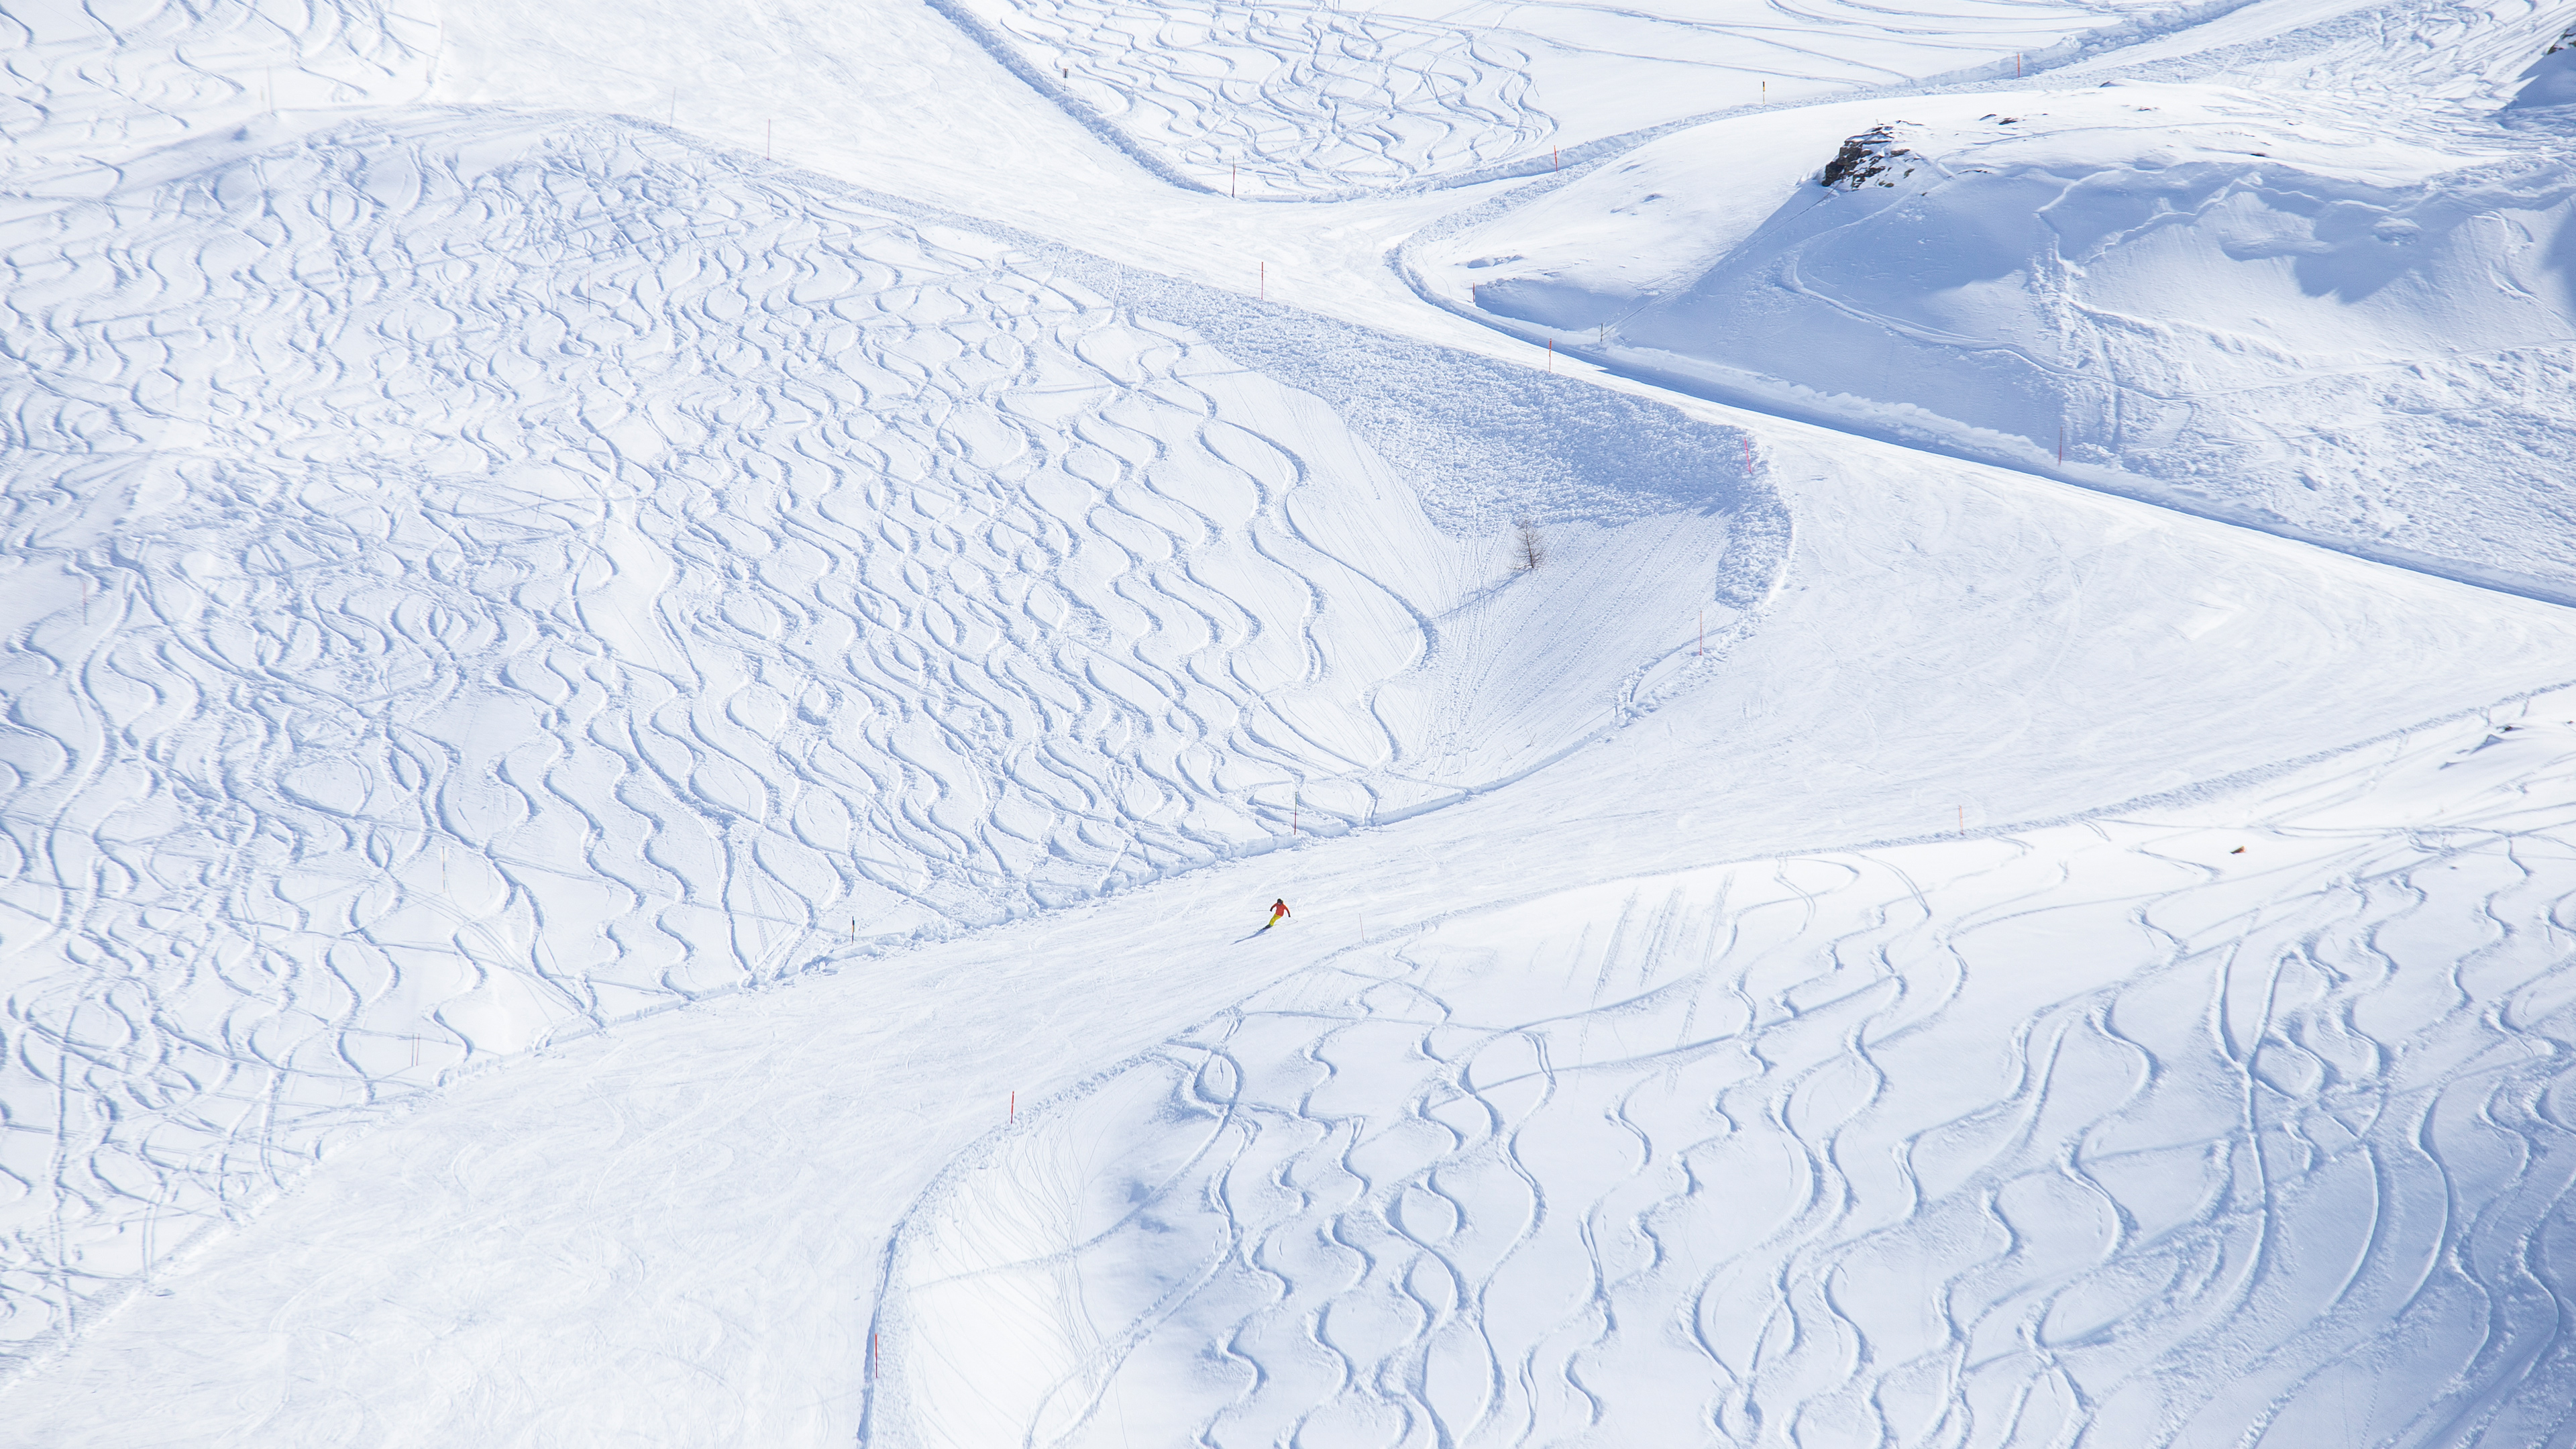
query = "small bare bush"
{"x": 1530, "y": 548}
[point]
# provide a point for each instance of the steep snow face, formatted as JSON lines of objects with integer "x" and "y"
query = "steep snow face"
{"x": 2270, "y": 310}
{"x": 1271, "y": 101}
{"x": 2164, "y": 1128}
{"x": 2551, "y": 80}
{"x": 470, "y": 581}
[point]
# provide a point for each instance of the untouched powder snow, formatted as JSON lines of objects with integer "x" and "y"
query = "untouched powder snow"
{"x": 654, "y": 663}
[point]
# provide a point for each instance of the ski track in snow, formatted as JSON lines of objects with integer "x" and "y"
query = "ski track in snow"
{"x": 91, "y": 86}
{"x": 1300, "y": 98}
{"x": 469, "y": 579}
{"x": 2100, "y": 1131}
{"x": 475, "y": 582}
{"x": 1278, "y": 101}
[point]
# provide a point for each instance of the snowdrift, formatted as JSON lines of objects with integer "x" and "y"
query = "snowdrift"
{"x": 2270, "y": 312}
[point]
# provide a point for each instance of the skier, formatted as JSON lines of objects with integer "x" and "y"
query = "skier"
{"x": 1278, "y": 912}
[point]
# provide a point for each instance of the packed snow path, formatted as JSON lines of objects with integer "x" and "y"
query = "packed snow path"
{"x": 2177, "y": 1128}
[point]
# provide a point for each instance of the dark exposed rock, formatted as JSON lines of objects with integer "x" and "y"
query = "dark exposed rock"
{"x": 1863, "y": 156}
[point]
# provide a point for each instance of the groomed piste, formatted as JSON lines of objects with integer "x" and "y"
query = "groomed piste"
{"x": 1909, "y": 674}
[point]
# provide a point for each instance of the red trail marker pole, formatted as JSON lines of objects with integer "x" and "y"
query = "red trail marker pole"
{"x": 1015, "y": 1105}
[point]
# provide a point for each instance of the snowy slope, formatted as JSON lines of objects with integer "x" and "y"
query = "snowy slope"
{"x": 539, "y": 574}
{"x": 673, "y": 1229}
{"x": 2153, "y": 1127}
{"x": 95, "y": 88}
{"x": 637, "y": 774}
{"x": 1292, "y": 101}
{"x": 2305, "y": 304}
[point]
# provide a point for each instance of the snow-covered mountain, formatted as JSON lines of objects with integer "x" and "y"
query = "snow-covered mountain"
{"x": 2290, "y": 294}
{"x": 658, "y": 664}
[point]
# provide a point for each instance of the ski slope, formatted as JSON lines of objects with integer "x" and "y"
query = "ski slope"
{"x": 571, "y": 622}
{"x": 2265, "y": 1127}
{"x": 656, "y": 663}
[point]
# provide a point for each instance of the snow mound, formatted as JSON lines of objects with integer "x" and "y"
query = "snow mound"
{"x": 2267, "y": 311}
{"x": 2141, "y": 1130}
